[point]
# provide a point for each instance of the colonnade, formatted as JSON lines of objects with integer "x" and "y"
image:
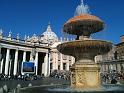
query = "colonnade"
{"x": 6, "y": 62}
{"x": 112, "y": 66}
{"x": 58, "y": 63}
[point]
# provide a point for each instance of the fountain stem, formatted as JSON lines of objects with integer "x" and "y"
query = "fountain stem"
{"x": 82, "y": 37}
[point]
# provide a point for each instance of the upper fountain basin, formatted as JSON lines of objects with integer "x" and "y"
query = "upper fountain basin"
{"x": 83, "y": 24}
{"x": 94, "y": 47}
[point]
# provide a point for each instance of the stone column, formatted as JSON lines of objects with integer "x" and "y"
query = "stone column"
{"x": 53, "y": 61}
{"x": 36, "y": 62}
{"x": 102, "y": 68}
{"x": 118, "y": 67}
{"x": 1, "y": 66}
{"x": 24, "y": 56}
{"x": 43, "y": 68}
{"x": 31, "y": 57}
{"x": 0, "y": 52}
{"x": 72, "y": 60}
{"x": 56, "y": 61}
{"x": 123, "y": 66}
{"x": 15, "y": 62}
{"x": 114, "y": 66}
{"x": 46, "y": 65}
{"x": 7, "y": 61}
{"x": 67, "y": 64}
{"x": 0, "y": 60}
{"x": 106, "y": 67}
{"x": 111, "y": 67}
{"x": 61, "y": 63}
{"x": 24, "y": 59}
{"x": 10, "y": 63}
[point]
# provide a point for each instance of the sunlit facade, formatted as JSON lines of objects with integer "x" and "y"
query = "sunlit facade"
{"x": 114, "y": 60}
{"x": 42, "y": 50}
{"x": 38, "y": 49}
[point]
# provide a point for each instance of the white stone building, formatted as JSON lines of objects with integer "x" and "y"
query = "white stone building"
{"x": 38, "y": 49}
{"x": 58, "y": 61}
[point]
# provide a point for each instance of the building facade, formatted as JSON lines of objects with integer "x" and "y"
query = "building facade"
{"x": 58, "y": 61}
{"x": 120, "y": 49}
{"x": 114, "y": 60}
{"x": 15, "y": 51}
{"x": 42, "y": 50}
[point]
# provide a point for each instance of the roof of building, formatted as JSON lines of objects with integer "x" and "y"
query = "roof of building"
{"x": 49, "y": 35}
{"x": 55, "y": 44}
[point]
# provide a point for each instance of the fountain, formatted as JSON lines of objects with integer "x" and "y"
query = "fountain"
{"x": 85, "y": 72}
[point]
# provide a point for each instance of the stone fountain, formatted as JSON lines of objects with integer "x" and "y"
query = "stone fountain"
{"x": 84, "y": 72}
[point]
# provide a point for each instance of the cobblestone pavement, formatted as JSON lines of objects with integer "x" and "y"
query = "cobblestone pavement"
{"x": 11, "y": 84}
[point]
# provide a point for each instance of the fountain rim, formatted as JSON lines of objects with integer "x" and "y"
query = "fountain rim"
{"x": 76, "y": 25}
{"x": 65, "y": 49}
{"x": 83, "y": 17}
{"x": 87, "y": 41}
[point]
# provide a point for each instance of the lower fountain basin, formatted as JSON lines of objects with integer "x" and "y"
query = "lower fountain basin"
{"x": 68, "y": 89}
{"x": 77, "y": 47}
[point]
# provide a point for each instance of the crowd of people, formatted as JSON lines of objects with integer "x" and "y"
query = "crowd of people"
{"x": 25, "y": 77}
{"x": 112, "y": 77}
{"x": 61, "y": 74}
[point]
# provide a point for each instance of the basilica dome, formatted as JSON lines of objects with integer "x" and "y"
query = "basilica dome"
{"x": 49, "y": 36}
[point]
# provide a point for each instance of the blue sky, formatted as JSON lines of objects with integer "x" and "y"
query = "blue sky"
{"x": 32, "y": 16}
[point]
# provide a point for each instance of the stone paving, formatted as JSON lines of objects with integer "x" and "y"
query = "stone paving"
{"x": 12, "y": 84}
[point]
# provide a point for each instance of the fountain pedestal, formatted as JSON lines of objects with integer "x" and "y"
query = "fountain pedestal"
{"x": 85, "y": 72}
{"x": 85, "y": 75}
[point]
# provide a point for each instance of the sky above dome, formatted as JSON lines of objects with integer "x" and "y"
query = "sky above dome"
{"x": 27, "y": 17}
